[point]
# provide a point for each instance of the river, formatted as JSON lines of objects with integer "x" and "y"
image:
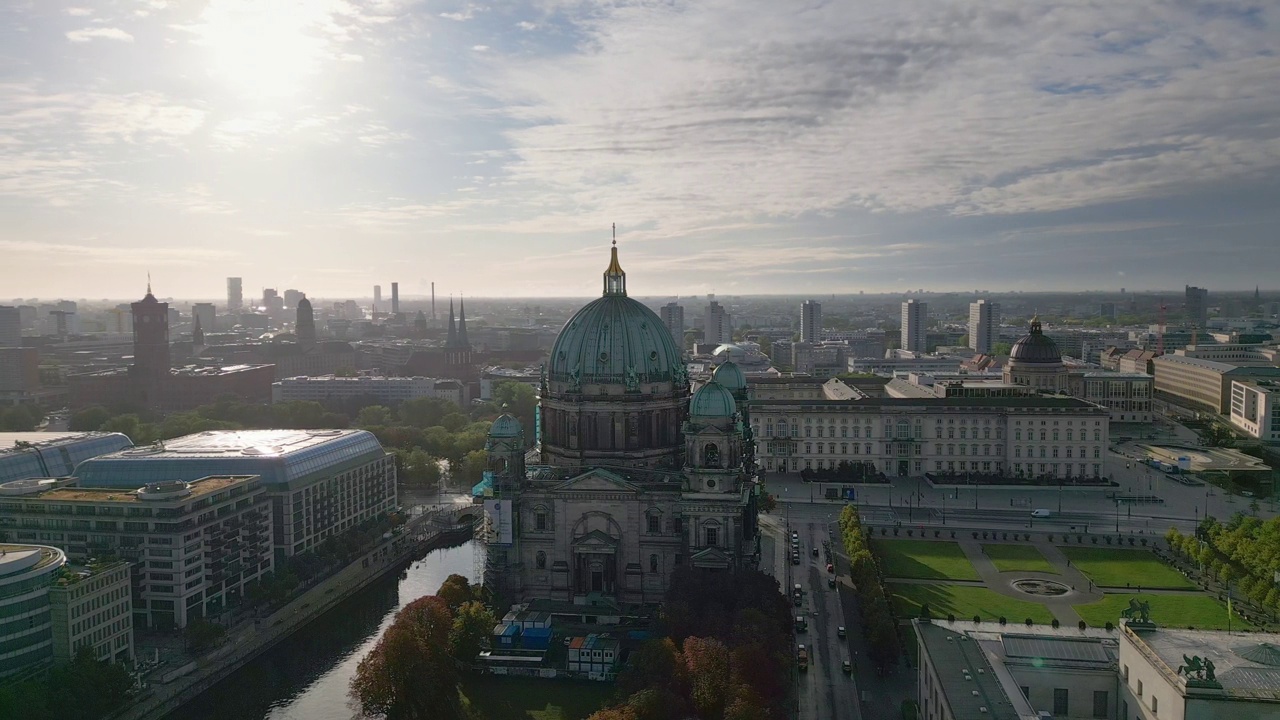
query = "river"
{"x": 306, "y": 677}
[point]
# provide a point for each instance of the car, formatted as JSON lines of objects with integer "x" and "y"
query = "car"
{"x": 831, "y": 568}
{"x": 831, "y": 582}
{"x": 840, "y": 631}
{"x": 1041, "y": 513}
{"x": 815, "y": 552}
{"x": 847, "y": 667}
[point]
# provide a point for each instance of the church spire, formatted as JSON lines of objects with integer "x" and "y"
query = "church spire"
{"x": 462, "y": 324}
{"x": 452, "y": 340}
{"x": 615, "y": 280}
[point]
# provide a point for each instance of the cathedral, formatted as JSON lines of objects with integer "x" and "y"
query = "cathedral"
{"x": 630, "y": 476}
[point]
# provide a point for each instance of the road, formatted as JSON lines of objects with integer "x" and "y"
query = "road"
{"x": 824, "y": 691}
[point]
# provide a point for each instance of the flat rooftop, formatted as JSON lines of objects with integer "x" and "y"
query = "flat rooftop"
{"x": 1238, "y": 674}
{"x": 199, "y": 488}
{"x": 27, "y": 558}
{"x": 279, "y": 456}
{"x": 1041, "y": 402}
{"x": 978, "y": 687}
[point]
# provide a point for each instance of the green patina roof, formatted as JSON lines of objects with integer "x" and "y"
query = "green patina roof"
{"x": 506, "y": 426}
{"x": 730, "y": 376}
{"x": 712, "y": 400}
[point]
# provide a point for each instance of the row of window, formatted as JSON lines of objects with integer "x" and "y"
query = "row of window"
{"x": 1031, "y": 452}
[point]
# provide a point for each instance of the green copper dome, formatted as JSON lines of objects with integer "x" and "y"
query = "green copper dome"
{"x": 730, "y": 376}
{"x": 505, "y": 426}
{"x": 712, "y": 400}
{"x": 615, "y": 340}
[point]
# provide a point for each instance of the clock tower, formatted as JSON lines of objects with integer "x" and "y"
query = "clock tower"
{"x": 150, "y": 337}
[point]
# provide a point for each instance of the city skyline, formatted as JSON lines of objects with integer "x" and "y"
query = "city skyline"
{"x": 742, "y": 148}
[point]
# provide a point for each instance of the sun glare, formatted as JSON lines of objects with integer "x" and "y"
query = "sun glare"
{"x": 263, "y": 48}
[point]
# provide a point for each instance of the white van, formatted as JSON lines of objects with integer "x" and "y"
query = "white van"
{"x": 1040, "y": 513}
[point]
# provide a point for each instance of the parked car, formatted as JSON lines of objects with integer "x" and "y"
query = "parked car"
{"x": 1040, "y": 513}
{"x": 840, "y": 631}
{"x": 847, "y": 667}
{"x": 831, "y": 582}
{"x": 815, "y": 552}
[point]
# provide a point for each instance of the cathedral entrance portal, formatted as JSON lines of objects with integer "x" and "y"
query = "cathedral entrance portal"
{"x": 595, "y": 573}
{"x": 596, "y": 539}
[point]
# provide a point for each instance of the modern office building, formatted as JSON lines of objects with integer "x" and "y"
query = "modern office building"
{"x": 1255, "y": 408}
{"x": 235, "y": 295}
{"x": 195, "y": 547}
{"x": 395, "y": 298}
{"x": 10, "y": 327}
{"x": 53, "y": 454}
{"x": 982, "y": 326}
{"x": 292, "y": 297}
{"x": 811, "y": 321}
{"x": 377, "y": 294}
{"x": 1197, "y": 306}
{"x": 1203, "y": 384}
{"x": 19, "y": 376}
{"x": 1127, "y": 395}
{"x": 1029, "y": 436}
{"x": 321, "y": 482}
{"x": 672, "y": 315}
{"x": 915, "y": 325}
{"x": 26, "y": 624}
{"x": 92, "y": 606}
{"x": 717, "y": 327}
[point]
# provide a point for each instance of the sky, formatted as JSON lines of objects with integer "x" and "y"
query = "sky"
{"x": 740, "y": 146}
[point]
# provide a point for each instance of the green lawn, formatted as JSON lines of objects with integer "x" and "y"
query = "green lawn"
{"x": 1018, "y": 558}
{"x": 1176, "y": 611}
{"x": 495, "y": 697}
{"x": 964, "y": 602}
{"x": 923, "y": 559}
{"x": 1110, "y": 567}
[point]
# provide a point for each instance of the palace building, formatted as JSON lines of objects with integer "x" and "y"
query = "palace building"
{"x": 631, "y": 476}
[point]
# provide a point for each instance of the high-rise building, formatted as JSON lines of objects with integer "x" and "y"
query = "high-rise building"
{"x": 395, "y": 298}
{"x": 305, "y": 327}
{"x": 377, "y": 294}
{"x": 811, "y": 321}
{"x": 206, "y": 314}
{"x": 717, "y": 326}
{"x": 1197, "y": 306}
{"x": 672, "y": 315}
{"x": 235, "y": 294}
{"x": 1107, "y": 310}
{"x": 982, "y": 326}
{"x": 292, "y": 298}
{"x": 150, "y": 337}
{"x": 10, "y": 326}
{"x": 28, "y": 572}
{"x": 915, "y": 323}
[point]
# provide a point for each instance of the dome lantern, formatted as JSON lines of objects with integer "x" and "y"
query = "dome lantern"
{"x": 615, "y": 280}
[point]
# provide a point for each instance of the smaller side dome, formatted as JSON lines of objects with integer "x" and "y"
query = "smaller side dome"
{"x": 506, "y": 426}
{"x": 730, "y": 376}
{"x": 712, "y": 400}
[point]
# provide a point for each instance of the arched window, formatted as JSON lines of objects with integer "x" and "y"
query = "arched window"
{"x": 653, "y": 563}
{"x": 711, "y": 455}
{"x": 541, "y": 560}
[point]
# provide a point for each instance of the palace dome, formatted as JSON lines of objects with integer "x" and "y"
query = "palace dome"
{"x": 730, "y": 376}
{"x": 506, "y": 426}
{"x": 712, "y": 400}
{"x": 615, "y": 340}
{"x": 1035, "y": 347}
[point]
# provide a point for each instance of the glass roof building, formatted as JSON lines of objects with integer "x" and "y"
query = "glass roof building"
{"x": 52, "y": 454}
{"x": 322, "y": 482}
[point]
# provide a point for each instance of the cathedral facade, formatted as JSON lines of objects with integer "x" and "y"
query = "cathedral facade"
{"x": 631, "y": 475}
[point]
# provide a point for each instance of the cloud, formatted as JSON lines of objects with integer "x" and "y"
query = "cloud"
{"x": 105, "y": 33}
{"x": 78, "y": 11}
{"x": 101, "y": 252}
{"x": 690, "y": 112}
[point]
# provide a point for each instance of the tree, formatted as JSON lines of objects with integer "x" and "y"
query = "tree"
{"x": 88, "y": 419}
{"x": 768, "y": 503}
{"x": 472, "y": 624}
{"x": 655, "y": 664}
{"x": 455, "y": 591}
{"x": 471, "y": 469}
{"x": 1001, "y": 348}
{"x": 409, "y": 674}
{"x": 87, "y": 688}
{"x": 375, "y": 416}
{"x": 454, "y": 421}
{"x": 201, "y": 634}
{"x": 519, "y": 399}
{"x": 20, "y": 418}
{"x": 131, "y": 425}
{"x": 707, "y": 660}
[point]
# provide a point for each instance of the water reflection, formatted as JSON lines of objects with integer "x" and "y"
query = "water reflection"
{"x": 306, "y": 677}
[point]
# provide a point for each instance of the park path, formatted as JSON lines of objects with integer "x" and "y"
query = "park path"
{"x": 1002, "y": 583}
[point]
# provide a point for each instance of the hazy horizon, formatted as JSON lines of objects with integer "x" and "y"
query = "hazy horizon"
{"x": 743, "y": 147}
